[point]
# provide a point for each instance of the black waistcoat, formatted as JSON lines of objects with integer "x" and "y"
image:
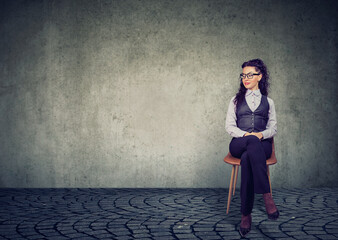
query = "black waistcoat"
{"x": 253, "y": 121}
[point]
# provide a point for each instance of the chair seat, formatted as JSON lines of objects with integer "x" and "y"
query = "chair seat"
{"x": 237, "y": 161}
{"x": 232, "y": 160}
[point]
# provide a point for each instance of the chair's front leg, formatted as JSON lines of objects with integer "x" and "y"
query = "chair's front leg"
{"x": 230, "y": 187}
{"x": 235, "y": 182}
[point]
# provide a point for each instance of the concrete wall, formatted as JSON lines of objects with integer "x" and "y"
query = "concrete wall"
{"x": 135, "y": 93}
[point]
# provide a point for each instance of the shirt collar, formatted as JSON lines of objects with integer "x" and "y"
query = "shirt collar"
{"x": 255, "y": 93}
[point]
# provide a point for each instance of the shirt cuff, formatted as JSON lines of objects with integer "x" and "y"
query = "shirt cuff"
{"x": 265, "y": 134}
{"x": 241, "y": 133}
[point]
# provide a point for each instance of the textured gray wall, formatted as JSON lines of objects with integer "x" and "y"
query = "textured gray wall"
{"x": 135, "y": 93}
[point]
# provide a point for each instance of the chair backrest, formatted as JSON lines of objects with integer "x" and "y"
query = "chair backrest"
{"x": 272, "y": 160}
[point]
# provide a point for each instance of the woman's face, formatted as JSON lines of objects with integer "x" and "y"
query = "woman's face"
{"x": 252, "y": 83}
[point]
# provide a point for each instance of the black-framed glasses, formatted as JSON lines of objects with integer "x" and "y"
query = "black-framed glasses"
{"x": 249, "y": 75}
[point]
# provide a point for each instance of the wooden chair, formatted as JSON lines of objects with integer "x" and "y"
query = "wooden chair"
{"x": 236, "y": 162}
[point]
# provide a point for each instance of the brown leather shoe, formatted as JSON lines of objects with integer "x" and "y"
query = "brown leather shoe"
{"x": 270, "y": 206}
{"x": 274, "y": 215}
{"x": 245, "y": 226}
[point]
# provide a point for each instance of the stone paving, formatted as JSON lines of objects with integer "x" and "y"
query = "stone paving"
{"x": 162, "y": 214}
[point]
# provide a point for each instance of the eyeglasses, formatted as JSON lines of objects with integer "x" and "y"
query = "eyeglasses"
{"x": 249, "y": 75}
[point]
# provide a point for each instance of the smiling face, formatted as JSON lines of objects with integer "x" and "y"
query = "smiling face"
{"x": 252, "y": 83}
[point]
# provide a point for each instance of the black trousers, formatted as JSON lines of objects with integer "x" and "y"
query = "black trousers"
{"x": 254, "y": 179}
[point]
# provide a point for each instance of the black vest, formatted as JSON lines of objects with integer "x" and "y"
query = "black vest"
{"x": 253, "y": 121}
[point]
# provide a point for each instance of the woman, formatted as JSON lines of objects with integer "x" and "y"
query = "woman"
{"x": 251, "y": 121}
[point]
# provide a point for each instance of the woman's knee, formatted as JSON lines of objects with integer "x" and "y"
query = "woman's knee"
{"x": 253, "y": 139}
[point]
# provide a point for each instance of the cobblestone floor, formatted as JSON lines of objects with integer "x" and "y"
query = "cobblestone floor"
{"x": 162, "y": 214}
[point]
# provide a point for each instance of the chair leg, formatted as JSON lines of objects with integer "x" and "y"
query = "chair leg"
{"x": 269, "y": 179}
{"x": 230, "y": 187}
{"x": 236, "y": 175}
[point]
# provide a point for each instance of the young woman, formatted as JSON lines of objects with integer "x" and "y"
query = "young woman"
{"x": 251, "y": 121}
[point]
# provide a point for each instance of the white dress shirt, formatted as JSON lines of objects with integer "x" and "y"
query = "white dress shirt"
{"x": 253, "y": 99}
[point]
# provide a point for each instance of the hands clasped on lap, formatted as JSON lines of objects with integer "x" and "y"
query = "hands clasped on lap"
{"x": 257, "y": 134}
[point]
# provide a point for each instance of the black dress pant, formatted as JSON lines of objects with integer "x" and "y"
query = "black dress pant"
{"x": 254, "y": 179}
